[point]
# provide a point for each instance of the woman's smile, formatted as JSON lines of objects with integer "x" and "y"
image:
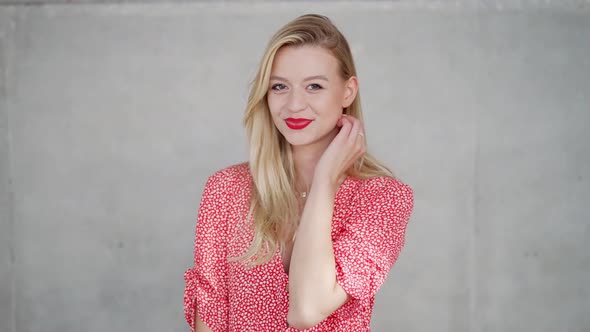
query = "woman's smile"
{"x": 297, "y": 123}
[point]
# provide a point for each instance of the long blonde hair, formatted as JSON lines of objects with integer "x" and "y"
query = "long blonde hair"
{"x": 274, "y": 206}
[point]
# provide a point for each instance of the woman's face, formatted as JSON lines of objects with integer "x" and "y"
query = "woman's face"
{"x": 306, "y": 94}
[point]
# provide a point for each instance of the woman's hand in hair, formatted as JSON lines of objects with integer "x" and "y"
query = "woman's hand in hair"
{"x": 348, "y": 146}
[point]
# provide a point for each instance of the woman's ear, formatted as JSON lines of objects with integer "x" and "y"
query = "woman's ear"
{"x": 351, "y": 87}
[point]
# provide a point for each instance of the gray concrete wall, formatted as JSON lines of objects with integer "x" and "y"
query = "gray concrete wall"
{"x": 6, "y": 206}
{"x": 113, "y": 114}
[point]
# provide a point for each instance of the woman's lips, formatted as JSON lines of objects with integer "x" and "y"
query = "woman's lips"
{"x": 297, "y": 124}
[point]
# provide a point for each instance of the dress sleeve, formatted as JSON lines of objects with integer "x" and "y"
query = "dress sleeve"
{"x": 372, "y": 238}
{"x": 206, "y": 282}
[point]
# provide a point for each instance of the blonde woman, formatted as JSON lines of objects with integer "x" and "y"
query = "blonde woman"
{"x": 301, "y": 236}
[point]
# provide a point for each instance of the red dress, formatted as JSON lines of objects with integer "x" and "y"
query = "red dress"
{"x": 368, "y": 229}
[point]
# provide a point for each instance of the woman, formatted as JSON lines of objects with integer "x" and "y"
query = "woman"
{"x": 304, "y": 234}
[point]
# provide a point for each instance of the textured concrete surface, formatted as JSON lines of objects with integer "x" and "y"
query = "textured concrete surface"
{"x": 112, "y": 115}
{"x": 6, "y": 206}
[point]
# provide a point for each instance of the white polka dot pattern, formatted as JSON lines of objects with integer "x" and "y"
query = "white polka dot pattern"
{"x": 368, "y": 232}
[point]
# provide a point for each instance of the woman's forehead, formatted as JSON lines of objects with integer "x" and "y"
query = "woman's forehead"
{"x": 299, "y": 63}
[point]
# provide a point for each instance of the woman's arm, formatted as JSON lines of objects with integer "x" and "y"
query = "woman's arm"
{"x": 314, "y": 293}
{"x": 206, "y": 280}
{"x": 199, "y": 325}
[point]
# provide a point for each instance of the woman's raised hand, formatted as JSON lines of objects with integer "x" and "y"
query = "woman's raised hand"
{"x": 343, "y": 151}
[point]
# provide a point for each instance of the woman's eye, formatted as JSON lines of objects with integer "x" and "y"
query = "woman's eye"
{"x": 317, "y": 86}
{"x": 278, "y": 87}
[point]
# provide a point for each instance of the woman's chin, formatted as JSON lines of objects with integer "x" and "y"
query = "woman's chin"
{"x": 296, "y": 140}
{"x": 308, "y": 138}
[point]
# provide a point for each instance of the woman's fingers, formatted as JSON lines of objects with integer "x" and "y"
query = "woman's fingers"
{"x": 345, "y": 149}
{"x": 356, "y": 137}
{"x": 354, "y": 145}
{"x": 345, "y": 129}
{"x": 355, "y": 130}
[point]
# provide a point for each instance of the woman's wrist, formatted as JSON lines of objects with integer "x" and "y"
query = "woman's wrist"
{"x": 324, "y": 184}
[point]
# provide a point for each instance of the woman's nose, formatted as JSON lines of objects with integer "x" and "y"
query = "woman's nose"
{"x": 296, "y": 101}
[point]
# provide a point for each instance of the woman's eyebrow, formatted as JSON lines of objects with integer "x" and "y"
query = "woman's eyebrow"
{"x": 316, "y": 77}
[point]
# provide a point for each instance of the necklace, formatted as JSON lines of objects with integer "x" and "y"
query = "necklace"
{"x": 304, "y": 194}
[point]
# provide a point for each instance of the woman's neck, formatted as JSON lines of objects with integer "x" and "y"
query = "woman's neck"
{"x": 306, "y": 157}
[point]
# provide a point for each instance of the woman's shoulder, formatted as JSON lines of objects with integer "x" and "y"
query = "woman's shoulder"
{"x": 233, "y": 176}
{"x": 384, "y": 193}
{"x": 384, "y": 185}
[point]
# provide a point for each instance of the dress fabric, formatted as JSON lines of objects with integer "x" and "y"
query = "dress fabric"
{"x": 368, "y": 232}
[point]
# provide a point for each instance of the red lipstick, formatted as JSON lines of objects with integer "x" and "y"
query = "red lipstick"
{"x": 297, "y": 124}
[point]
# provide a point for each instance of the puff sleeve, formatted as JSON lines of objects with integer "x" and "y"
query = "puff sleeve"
{"x": 206, "y": 283}
{"x": 372, "y": 238}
